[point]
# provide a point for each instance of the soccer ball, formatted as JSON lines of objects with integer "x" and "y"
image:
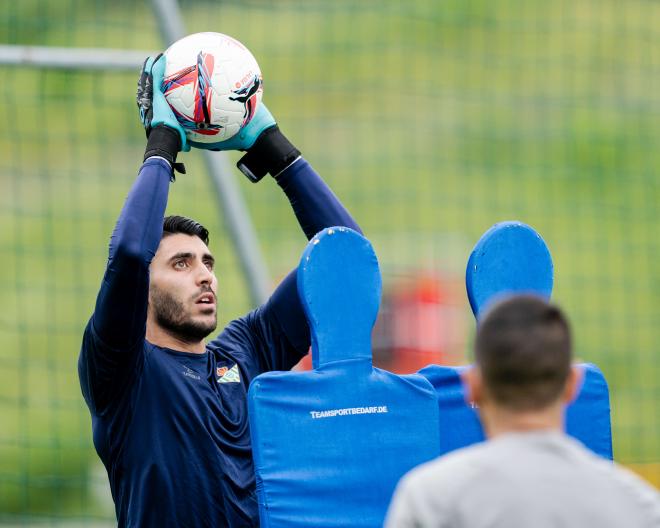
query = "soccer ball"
{"x": 213, "y": 84}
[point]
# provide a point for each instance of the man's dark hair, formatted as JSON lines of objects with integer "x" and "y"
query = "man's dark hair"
{"x": 523, "y": 348}
{"x": 180, "y": 224}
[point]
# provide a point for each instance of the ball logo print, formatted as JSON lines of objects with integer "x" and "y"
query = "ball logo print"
{"x": 199, "y": 76}
{"x": 249, "y": 97}
{"x": 213, "y": 85}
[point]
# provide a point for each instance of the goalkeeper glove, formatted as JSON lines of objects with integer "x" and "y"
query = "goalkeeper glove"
{"x": 165, "y": 136}
{"x": 268, "y": 150}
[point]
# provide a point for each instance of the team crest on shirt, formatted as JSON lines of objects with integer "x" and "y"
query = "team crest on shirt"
{"x": 228, "y": 375}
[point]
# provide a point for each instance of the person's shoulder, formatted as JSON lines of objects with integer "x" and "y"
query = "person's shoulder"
{"x": 235, "y": 333}
{"x": 452, "y": 472}
{"x": 622, "y": 481}
{"x": 601, "y": 466}
{"x": 245, "y": 334}
{"x": 237, "y": 340}
{"x": 643, "y": 498}
{"x": 627, "y": 480}
{"x": 92, "y": 341}
{"x": 432, "y": 490}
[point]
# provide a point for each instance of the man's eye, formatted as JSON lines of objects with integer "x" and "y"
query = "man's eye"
{"x": 180, "y": 264}
{"x": 209, "y": 265}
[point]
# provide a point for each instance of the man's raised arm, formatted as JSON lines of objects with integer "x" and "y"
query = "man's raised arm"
{"x": 281, "y": 324}
{"x": 115, "y": 333}
{"x": 316, "y": 207}
{"x": 121, "y": 306}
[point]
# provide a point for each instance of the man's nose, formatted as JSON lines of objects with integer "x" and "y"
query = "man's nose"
{"x": 204, "y": 275}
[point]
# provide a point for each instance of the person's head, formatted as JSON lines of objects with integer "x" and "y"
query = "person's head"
{"x": 182, "y": 284}
{"x": 523, "y": 355}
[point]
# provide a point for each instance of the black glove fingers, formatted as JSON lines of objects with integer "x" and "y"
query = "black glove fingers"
{"x": 162, "y": 141}
{"x": 145, "y": 95}
{"x": 141, "y": 84}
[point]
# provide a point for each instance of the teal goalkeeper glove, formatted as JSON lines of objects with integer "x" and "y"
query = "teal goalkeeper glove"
{"x": 268, "y": 150}
{"x": 166, "y": 137}
{"x": 246, "y": 136}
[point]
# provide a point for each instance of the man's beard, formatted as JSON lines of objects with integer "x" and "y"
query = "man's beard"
{"x": 171, "y": 315}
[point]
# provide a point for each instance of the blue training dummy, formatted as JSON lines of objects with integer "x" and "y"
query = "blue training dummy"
{"x": 513, "y": 258}
{"x": 330, "y": 444}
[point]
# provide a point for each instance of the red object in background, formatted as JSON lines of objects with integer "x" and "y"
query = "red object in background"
{"x": 422, "y": 320}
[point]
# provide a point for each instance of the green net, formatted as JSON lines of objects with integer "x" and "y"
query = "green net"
{"x": 431, "y": 120}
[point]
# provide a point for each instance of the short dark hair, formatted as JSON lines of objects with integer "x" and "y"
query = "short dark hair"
{"x": 523, "y": 349}
{"x": 180, "y": 224}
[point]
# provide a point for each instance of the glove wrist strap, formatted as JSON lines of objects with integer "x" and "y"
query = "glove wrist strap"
{"x": 271, "y": 153}
{"x": 165, "y": 142}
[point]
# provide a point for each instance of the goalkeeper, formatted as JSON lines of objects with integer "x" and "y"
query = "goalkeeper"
{"x": 169, "y": 412}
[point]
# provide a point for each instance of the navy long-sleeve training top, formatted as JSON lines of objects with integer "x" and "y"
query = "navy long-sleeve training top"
{"x": 171, "y": 427}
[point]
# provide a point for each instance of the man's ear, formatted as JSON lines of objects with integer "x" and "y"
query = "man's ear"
{"x": 573, "y": 384}
{"x": 471, "y": 378}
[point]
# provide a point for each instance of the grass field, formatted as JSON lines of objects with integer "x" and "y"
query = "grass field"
{"x": 431, "y": 121}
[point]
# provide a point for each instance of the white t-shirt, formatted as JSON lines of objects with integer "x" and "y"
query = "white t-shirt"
{"x": 538, "y": 479}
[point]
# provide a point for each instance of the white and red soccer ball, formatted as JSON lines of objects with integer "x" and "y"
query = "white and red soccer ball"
{"x": 213, "y": 84}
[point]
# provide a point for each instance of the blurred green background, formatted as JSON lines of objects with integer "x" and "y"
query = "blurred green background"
{"x": 431, "y": 121}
